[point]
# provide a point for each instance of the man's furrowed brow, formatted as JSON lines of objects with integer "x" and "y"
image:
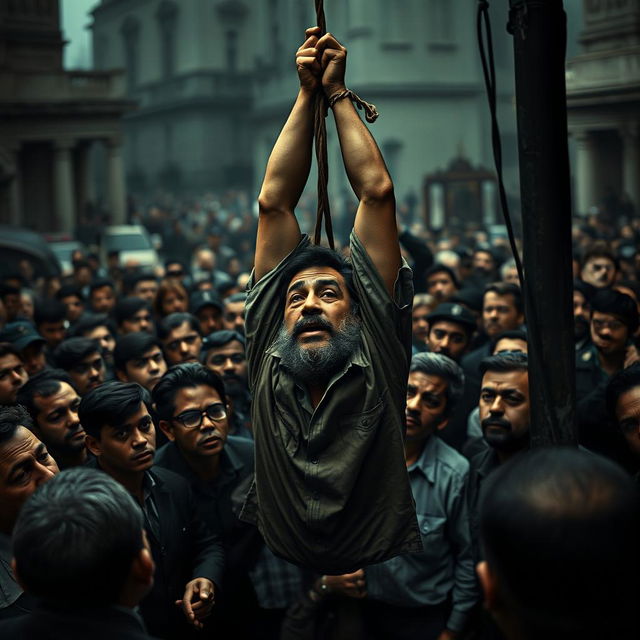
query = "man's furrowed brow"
{"x": 327, "y": 282}
{"x": 296, "y": 286}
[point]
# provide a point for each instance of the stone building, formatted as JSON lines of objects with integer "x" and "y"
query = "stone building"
{"x": 49, "y": 119}
{"x": 603, "y": 96}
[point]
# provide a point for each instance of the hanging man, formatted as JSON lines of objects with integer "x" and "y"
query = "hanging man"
{"x": 329, "y": 345}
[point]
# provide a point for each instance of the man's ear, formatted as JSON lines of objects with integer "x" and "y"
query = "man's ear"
{"x": 167, "y": 429}
{"x": 441, "y": 425}
{"x": 143, "y": 567}
{"x": 488, "y": 583}
{"x": 93, "y": 444}
{"x": 122, "y": 376}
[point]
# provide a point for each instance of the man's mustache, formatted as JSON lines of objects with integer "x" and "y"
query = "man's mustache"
{"x": 315, "y": 321}
{"x": 493, "y": 421}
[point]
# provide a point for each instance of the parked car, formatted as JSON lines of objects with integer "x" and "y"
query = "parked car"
{"x": 132, "y": 242}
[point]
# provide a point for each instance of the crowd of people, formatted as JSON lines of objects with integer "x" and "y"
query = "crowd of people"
{"x": 333, "y": 446}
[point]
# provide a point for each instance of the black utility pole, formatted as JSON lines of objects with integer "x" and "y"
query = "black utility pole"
{"x": 539, "y": 30}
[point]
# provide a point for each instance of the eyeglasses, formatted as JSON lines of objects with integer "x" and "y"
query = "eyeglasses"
{"x": 192, "y": 419}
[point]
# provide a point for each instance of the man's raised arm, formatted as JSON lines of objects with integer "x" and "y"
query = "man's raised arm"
{"x": 288, "y": 167}
{"x": 375, "y": 223}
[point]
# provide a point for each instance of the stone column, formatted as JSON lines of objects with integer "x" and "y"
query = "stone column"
{"x": 15, "y": 190}
{"x": 630, "y": 135}
{"x": 84, "y": 186}
{"x": 63, "y": 186}
{"x": 116, "y": 196}
{"x": 586, "y": 188}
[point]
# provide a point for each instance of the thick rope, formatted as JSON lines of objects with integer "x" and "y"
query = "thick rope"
{"x": 321, "y": 106}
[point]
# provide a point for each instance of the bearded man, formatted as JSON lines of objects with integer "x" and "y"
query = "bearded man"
{"x": 329, "y": 346}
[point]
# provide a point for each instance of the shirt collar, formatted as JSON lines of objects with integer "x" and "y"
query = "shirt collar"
{"x": 426, "y": 462}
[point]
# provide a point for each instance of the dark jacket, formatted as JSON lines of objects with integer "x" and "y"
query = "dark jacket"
{"x": 60, "y": 622}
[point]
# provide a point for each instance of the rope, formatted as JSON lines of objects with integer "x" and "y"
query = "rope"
{"x": 320, "y": 108}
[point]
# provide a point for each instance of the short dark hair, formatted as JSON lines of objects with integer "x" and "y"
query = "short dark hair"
{"x": 173, "y": 321}
{"x": 220, "y": 338}
{"x": 49, "y": 310}
{"x": 599, "y": 249}
{"x": 128, "y": 307}
{"x": 442, "y": 268}
{"x": 100, "y": 283}
{"x": 619, "y": 383}
{"x": 181, "y": 376}
{"x": 10, "y": 419}
{"x": 437, "y": 364}
{"x": 142, "y": 277}
{"x": 131, "y": 347}
{"x": 7, "y": 348}
{"x": 505, "y": 362}
{"x": 618, "y": 304}
{"x": 67, "y": 290}
{"x": 241, "y": 296}
{"x": 43, "y": 384}
{"x": 76, "y": 537}
{"x": 72, "y": 351}
{"x": 90, "y": 321}
{"x": 112, "y": 403}
{"x": 554, "y": 523}
{"x": 514, "y": 334}
{"x": 318, "y": 256}
{"x": 506, "y": 289}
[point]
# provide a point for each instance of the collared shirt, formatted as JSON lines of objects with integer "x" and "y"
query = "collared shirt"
{"x": 149, "y": 507}
{"x": 331, "y": 490}
{"x": 445, "y": 568}
{"x": 10, "y": 590}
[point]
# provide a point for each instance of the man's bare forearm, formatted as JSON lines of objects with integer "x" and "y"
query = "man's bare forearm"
{"x": 290, "y": 161}
{"x": 363, "y": 161}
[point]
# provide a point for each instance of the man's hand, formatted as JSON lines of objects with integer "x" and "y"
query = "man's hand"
{"x": 197, "y": 601}
{"x": 334, "y": 63}
{"x": 631, "y": 356}
{"x": 351, "y": 585}
{"x": 308, "y": 61}
{"x": 447, "y": 635}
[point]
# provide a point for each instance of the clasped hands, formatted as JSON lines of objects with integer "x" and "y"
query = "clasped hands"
{"x": 321, "y": 61}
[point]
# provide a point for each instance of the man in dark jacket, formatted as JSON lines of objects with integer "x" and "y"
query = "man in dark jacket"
{"x": 190, "y": 559}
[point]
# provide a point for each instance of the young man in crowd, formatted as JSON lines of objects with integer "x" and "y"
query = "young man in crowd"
{"x": 192, "y": 412}
{"x": 25, "y": 464}
{"x": 89, "y": 589}
{"x": 53, "y": 403}
{"x": 451, "y": 327}
{"x": 82, "y": 359}
{"x": 133, "y": 314}
{"x": 233, "y": 313}
{"x": 138, "y": 358}
{"x": 145, "y": 286}
{"x": 206, "y": 306}
{"x": 442, "y": 283}
{"x": 190, "y": 559}
{"x": 224, "y": 353}
{"x": 29, "y": 343}
{"x": 97, "y": 326}
{"x": 50, "y": 318}
{"x": 554, "y": 523}
{"x": 102, "y": 296}
{"x": 71, "y": 297}
{"x": 12, "y": 373}
{"x": 179, "y": 334}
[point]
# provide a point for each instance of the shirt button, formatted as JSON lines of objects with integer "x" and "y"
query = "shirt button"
{"x": 314, "y": 461}
{"x": 365, "y": 422}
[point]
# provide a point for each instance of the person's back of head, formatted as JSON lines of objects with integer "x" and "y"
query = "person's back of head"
{"x": 560, "y": 530}
{"x": 79, "y": 541}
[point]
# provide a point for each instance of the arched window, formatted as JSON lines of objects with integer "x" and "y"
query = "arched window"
{"x": 167, "y": 16}
{"x": 131, "y": 38}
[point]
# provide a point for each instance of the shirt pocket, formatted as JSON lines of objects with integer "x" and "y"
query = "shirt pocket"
{"x": 366, "y": 421}
{"x": 432, "y": 528}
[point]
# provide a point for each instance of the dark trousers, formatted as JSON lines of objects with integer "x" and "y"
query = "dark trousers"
{"x": 388, "y": 622}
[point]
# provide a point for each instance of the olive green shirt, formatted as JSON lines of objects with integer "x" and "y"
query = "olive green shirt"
{"x": 331, "y": 489}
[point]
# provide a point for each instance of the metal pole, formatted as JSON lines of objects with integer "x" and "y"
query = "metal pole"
{"x": 539, "y": 31}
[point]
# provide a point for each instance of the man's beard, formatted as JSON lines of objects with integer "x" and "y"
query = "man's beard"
{"x": 319, "y": 363}
{"x": 504, "y": 440}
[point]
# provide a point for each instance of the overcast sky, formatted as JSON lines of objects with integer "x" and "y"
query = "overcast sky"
{"x": 75, "y": 19}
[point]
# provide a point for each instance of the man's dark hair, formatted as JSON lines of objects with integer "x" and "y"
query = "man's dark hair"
{"x": 43, "y": 384}
{"x": 90, "y": 321}
{"x": 131, "y": 347}
{"x": 599, "y": 249}
{"x": 126, "y": 308}
{"x": 619, "y": 383}
{"x": 514, "y": 334}
{"x": 183, "y": 376}
{"x": 506, "y": 289}
{"x": 220, "y": 338}
{"x": 618, "y": 304}
{"x": 437, "y": 364}
{"x": 10, "y": 419}
{"x": 317, "y": 256}
{"x": 100, "y": 283}
{"x": 6, "y": 349}
{"x": 49, "y": 310}
{"x": 442, "y": 268}
{"x": 560, "y": 530}
{"x": 112, "y": 403}
{"x": 76, "y": 538}
{"x": 174, "y": 320}
{"x": 72, "y": 351}
{"x": 504, "y": 362}
{"x": 68, "y": 290}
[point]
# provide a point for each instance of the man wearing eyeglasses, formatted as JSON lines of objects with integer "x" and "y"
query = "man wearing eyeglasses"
{"x": 190, "y": 403}
{"x": 189, "y": 557}
{"x": 614, "y": 320}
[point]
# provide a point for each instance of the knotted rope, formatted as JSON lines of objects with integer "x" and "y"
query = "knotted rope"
{"x": 320, "y": 108}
